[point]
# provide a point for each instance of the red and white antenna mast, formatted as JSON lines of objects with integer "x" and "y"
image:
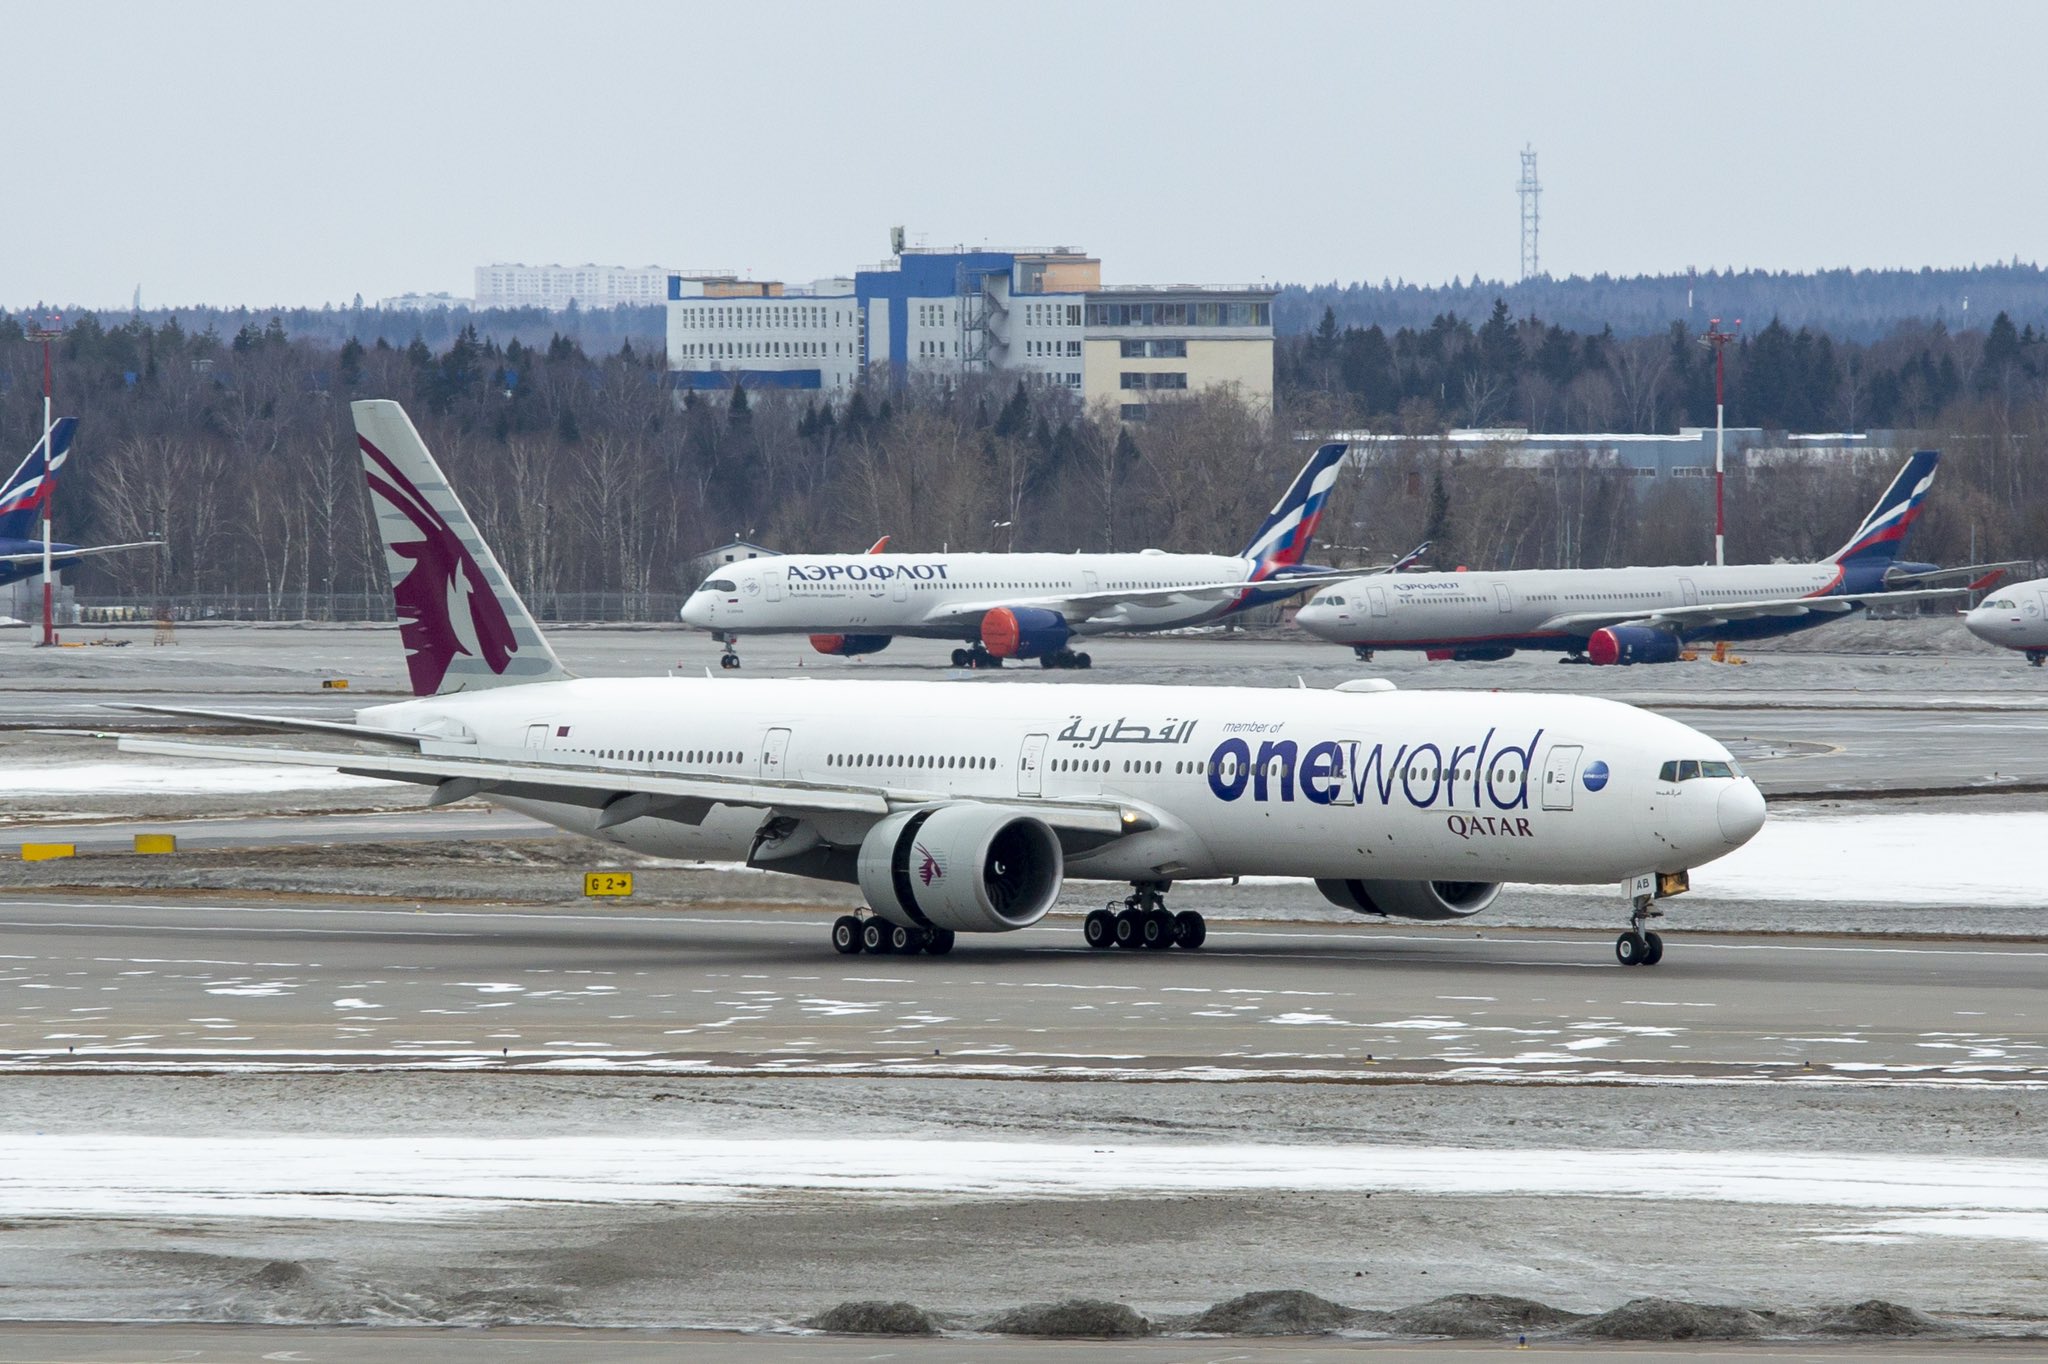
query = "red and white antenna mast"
{"x": 46, "y": 331}
{"x": 1719, "y": 340}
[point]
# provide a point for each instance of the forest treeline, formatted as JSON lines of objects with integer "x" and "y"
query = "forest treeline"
{"x": 1849, "y": 305}
{"x": 589, "y": 476}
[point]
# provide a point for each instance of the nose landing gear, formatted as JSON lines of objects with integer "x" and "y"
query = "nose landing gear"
{"x": 1144, "y": 921}
{"x": 731, "y": 657}
{"x": 1639, "y": 946}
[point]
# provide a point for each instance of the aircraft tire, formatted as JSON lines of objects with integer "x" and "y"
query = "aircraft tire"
{"x": 1158, "y": 931}
{"x": 1631, "y": 948}
{"x": 1127, "y": 931}
{"x": 961, "y": 658}
{"x": 938, "y": 941}
{"x": 1099, "y": 929}
{"x": 1655, "y": 943}
{"x": 1083, "y": 661}
{"x": 846, "y": 935}
{"x": 874, "y": 937}
{"x": 1049, "y": 661}
{"x": 905, "y": 942}
{"x": 1191, "y": 930}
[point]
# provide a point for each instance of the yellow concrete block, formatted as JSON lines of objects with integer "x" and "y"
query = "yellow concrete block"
{"x": 335, "y": 683}
{"x": 47, "y": 852}
{"x": 599, "y": 883}
{"x": 156, "y": 843}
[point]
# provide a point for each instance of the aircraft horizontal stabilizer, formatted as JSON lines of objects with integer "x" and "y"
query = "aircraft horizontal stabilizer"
{"x": 284, "y": 722}
{"x": 76, "y": 551}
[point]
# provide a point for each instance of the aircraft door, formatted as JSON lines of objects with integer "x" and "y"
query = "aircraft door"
{"x": 1560, "y": 770}
{"x": 1090, "y": 580}
{"x": 774, "y": 588}
{"x": 1688, "y": 594}
{"x": 774, "y": 747}
{"x": 900, "y": 587}
{"x": 536, "y": 738}
{"x": 1378, "y": 597}
{"x": 1347, "y": 763}
{"x": 1503, "y": 599}
{"x": 1030, "y": 759}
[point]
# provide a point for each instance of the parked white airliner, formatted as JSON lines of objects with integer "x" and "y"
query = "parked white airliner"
{"x": 1635, "y": 615}
{"x": 1021, "y": 606}
{"x": 2015, "y": 617}
{"x": 960, "y": 807}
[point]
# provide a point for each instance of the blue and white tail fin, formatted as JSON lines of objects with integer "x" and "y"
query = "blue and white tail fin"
{"x": 1883, "y": 533}
{"x": 21, "y": 500}
{"x": 1283, "y": 541}
{"x": 462, "y": 624}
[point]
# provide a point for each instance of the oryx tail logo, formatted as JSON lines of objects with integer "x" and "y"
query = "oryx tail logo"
{"x": 445, "y": 606}
{"x": 930, "y": 866}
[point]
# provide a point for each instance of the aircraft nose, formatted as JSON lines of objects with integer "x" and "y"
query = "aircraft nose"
{"x": 1741, "y": 813}
{"x": 697, "y": 610}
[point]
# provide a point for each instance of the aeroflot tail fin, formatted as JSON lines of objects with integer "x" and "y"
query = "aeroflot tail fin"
{"x": 1283, "y": 540}
{"x": 21, "y": 499}
{"x": 462, "y": 625}
{"x": 1883, "y": 533}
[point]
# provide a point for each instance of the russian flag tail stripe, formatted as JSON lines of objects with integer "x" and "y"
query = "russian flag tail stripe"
{"x": 1283, "y": 540}
{"x": 23, "y": 494}
{"x": 1883, "y": 533}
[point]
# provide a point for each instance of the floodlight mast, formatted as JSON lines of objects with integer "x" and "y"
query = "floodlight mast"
{"x": 1719, "y": 340}
{"x": 46, "y": 332}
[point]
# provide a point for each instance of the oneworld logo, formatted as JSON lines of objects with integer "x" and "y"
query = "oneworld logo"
{"x": 1426, "y": 775}
{"x": 1595, "y": 775}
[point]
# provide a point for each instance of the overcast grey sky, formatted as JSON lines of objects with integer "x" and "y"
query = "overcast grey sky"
{"x": 283, "y": 154}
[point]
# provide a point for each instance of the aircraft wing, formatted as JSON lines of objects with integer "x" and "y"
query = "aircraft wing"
{"x": 1964, "y": 572}
{"x": 1079, "y": 606}
{"x": 620, "y": 795}
{"x": 75, "y": 551}
{"x": 404, "y": 738}
{"x": 1707, "y": 614}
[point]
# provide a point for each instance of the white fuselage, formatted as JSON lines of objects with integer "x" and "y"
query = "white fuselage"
{"x": 1467, "y": 786}
{"x": 2015, "y": 617}
{"x": 1467, "y": 610}
{"x": 921, "y": 594}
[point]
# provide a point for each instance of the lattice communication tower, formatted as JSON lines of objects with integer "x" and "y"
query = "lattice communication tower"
{"x": 1529, "y": 191}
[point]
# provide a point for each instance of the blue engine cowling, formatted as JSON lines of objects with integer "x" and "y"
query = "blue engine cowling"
{"x": 846, "y": 646}
{"x": 1024, "y": 632}
{"x": 1626, "y": 644}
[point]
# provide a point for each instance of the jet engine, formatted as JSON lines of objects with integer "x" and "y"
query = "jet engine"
{"x": 1626, "y": 644}
{"x": 965, "y": 867}
{"x": 846, "y": 646}
{"x": 1024, "y": 632}
{"x": 1411, "y": 899}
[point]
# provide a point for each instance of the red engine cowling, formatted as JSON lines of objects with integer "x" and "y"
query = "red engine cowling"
{"x": 1024, "y": 632}
{"x": 846, "y": 646}
{"x": 1622, "y": 645}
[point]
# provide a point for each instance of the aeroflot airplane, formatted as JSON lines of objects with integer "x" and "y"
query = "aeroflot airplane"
{"x": 22, "y": 500}
{"x": 2015, "y": 617}
{"x": 1635, "y": 615}
{"x": 960, "y": 808}
{"x": 1015, "y": 605}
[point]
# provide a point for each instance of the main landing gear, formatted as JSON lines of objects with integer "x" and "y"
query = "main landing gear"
{"x": 1065, "y": 658}
{"x": 1144, "y": 921}
{"x": 1638, "y": 946}
{"x": 2037, "y": 657}
{"x": 975, "y": 657}
{"x": 1363, "y": 654}
{"x": 853, "y": 933}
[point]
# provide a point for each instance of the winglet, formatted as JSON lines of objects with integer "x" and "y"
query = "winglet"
{"x": 462, "y": 625}
{"x": 878, "y": 546}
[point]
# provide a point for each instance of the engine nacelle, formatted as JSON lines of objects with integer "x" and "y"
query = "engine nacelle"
{"x": 1626, "y": 644}
{"x": 970, "y": 868}
{"x": 846, "y": 646}
{"x": 1024, "y": 632}
{"x": 1411, "y": 899}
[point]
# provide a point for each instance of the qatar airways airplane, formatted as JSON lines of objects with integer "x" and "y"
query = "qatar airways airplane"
{"x": 962, "y": 806}
{"x": 1021, "y": 606}
{"x": 2015, "y": 617}
{"x": 1636, "y": 615}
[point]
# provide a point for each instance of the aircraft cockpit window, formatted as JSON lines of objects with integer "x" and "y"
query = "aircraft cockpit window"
{"x": 2003, "y": 604}
{"x": 1688, "y": 769}
{"x": 721, "y": 585}
{"x": 1333, "y": 601}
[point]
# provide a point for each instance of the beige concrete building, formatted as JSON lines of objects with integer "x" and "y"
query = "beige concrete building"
{"x": 1146, "y": 345}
